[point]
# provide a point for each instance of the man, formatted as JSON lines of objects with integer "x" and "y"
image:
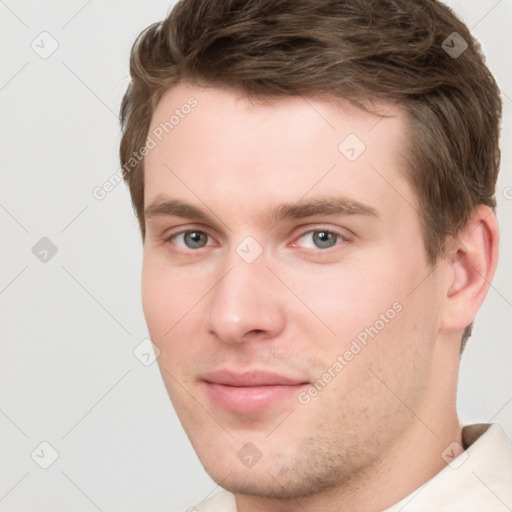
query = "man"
{"x": 314, "y": 183}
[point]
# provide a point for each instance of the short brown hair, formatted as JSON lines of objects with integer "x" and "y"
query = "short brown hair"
{"x": 396, "y": 51}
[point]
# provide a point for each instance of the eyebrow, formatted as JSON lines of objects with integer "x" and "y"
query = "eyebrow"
{"x": 175, "y": 207}
{"x": 321, "y": 206}
{"x": 297, "y": 210}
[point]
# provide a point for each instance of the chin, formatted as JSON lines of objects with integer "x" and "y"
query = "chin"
{"x": 271, "y": 478}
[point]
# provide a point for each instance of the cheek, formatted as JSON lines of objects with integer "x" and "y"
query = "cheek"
{"x": 166, "y": 299}
{"x": 172, "y": 301}
{"x": 345, "y": 299}
{"x": 157, "y": 300}
{"x": 367, "y": 302}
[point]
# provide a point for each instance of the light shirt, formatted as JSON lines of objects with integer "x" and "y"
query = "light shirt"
{"x": 478, "y": 480}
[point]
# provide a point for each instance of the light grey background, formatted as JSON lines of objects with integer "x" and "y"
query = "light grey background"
{"x": 70, "y": 324}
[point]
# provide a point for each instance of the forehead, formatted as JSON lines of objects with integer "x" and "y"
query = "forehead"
{"x": 262, "y": 152}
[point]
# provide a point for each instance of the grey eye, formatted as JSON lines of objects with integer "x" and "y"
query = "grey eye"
{"x": 193, "y": 239}
{"x": 324, "y": 239}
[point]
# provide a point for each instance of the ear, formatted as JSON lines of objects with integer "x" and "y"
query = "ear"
{"x": 472, "y": 257}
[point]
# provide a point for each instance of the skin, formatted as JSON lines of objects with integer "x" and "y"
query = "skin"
{"x": 376, "y": 431}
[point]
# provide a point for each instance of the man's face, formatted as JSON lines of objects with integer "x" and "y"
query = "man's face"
{"x": 285, "y": 284}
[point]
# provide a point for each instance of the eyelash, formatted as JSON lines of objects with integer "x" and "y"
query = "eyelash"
{"x": 339, "y": 236}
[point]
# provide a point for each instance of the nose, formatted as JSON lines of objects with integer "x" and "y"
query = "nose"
{"x": 246, "y": 304}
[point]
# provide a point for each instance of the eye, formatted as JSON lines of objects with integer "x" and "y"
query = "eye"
{"x": 319, "y": 239}
{"x": 193, "y": 239}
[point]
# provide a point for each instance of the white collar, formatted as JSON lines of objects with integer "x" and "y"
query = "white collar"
{"x": 479, "y": 479}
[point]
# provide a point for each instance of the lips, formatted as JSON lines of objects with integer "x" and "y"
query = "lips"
{"x": 250, "y": 392}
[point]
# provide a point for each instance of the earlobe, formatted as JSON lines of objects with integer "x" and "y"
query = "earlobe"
{"x": 472, "y": 256}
